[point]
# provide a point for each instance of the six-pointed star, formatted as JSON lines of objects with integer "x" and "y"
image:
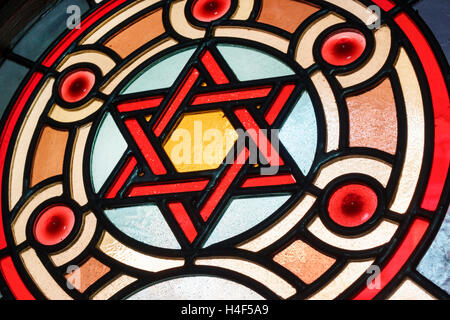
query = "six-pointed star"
{"x": 203, "y": 85}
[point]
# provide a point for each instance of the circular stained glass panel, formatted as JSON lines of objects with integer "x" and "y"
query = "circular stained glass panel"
{"x": 260, "y": 149}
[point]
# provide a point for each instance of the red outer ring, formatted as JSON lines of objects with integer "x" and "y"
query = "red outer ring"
{"x": 386, "y": 5}
{"x": 417, "y": 229}
{"x": 7, "y": 132}
{"x": 441, "y": 159}
{"x": 401, "y": 255}
{"x": 8, "y": 270}
{"x": 441, "y": 104}
{"x": 15, "y": 283}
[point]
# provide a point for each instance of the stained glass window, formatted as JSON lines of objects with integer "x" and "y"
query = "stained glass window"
{"x": 224, "y": 149}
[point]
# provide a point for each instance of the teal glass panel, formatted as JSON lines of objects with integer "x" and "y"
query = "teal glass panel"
{"x": 11, "y": 75}
{"x": 52, "y": 24}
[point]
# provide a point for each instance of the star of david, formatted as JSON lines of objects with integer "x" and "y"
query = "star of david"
{"x": 203, "y": 85}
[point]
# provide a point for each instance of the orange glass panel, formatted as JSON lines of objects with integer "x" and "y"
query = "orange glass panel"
{"x": 137, "y": 34}
{"x": 49, "y": 157}
{"x": 304, "y": 261}
{"x": 373, "y": 119}
{"x": 87, "y": 275}
{"x": 285, "y": 14}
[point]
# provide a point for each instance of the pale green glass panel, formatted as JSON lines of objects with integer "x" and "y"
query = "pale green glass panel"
{"x": 244, "y": 214}
{"x": 108, "y": 149}
{"x": 160, "y": 74}
{"x": 145, "y": 224}
{"x": 251, "y": 64}
{"x": 299, "y": 133}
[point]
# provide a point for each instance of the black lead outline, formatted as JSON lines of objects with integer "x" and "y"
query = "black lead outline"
{"x": 407, "y": 271}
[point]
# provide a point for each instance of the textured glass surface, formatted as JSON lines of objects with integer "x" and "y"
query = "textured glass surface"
{"x": 145, "y": 224}
{"x": 197, "y": 288}
{"x": 364, "y": 152}
{"x": 243, "y": 214}
{"x": 435, "y": 265}
{"x": 11, "y": 75}
{"x": 251, "y": 64}
{"x": 299, "y": 133}
{"x": 108, "y": 148}
{"x": 161, "y": 74}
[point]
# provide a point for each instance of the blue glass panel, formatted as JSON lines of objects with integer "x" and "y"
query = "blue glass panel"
{"x": 299, "y": 133}
{"x": 436, "y": 15}
{"x": 251, "y": 64}
{"x": 51, "y": 24}
{"x": 145, "y": 224}
{"x": 244, "y": 214}
{"x": 11, "y": 75}
{"x": 161, "y": 74}
{"x": 435, "y": 265}
{"x": 108, "y": 149}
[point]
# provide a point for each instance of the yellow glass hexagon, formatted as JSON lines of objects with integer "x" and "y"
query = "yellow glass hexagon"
{"x": 200, "y": 141}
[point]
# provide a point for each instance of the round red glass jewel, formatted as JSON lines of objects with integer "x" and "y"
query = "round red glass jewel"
{"x": 343, "y": 47}
{"x": 54, "y": 225}
{"x": 352, "y": 205}
{"x": 210, "y": 10}
{"x": 76, "y": 85}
